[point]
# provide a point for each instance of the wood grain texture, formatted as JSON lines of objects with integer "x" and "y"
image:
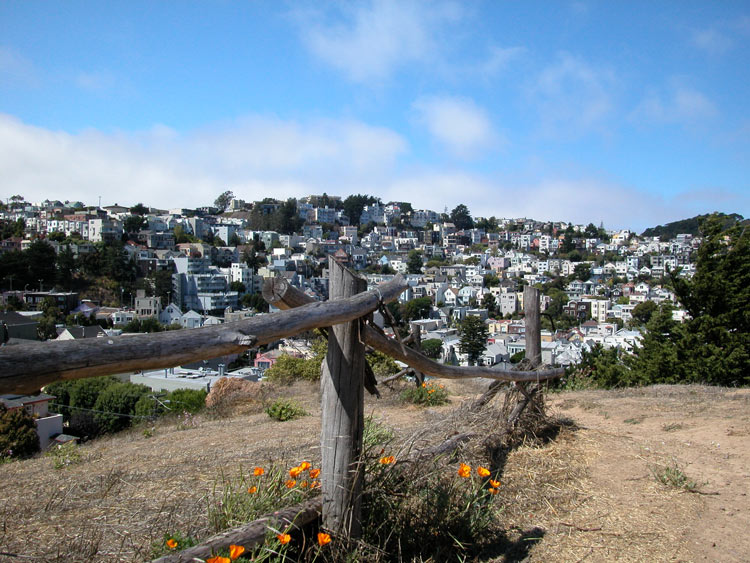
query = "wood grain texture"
{"x": 25, "y": 368}
{"x": 251, "y": 534}
{"x": 342, "y": 406}
{"x": 533, "y": 324}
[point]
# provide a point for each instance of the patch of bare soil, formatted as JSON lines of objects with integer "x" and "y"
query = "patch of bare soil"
{"x": 633, "y": 436}
{"x": 588, "y": 494}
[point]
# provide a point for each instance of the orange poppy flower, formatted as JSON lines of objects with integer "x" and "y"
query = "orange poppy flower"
{"x": 294, "y": 472}
{"x": 290, "y": 483}
{"x": 464, "y": 470}
{"x": 387, "y": 460}
{"x": 483, "y": 472}
{"x": 235, "y": 551}
{"x": 252, "y": 490}
{"x": 305, "y": 465}
{"x": 315, "y": 484}
{"x": 494, "y": 484}
{"x": 218, "y": 559}
{"x": 323, "y": 538}
{"x": 284, "y": 538}
{"x": 424, "y": 385}
{"x": 303, "y": 484}
{"x": 258, "y": 471}
{"x": 492, "y": 491}
{"x": 314, "y": 473}
{"x": 171, "y": 543}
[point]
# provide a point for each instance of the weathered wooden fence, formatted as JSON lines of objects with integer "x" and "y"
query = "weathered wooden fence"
{"x": 25, "y": 368}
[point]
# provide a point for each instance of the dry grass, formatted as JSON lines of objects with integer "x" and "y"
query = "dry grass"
{"x": 568, "y": 494}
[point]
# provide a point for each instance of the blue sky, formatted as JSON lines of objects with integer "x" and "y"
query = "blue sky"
{"x": 630, "y": 113}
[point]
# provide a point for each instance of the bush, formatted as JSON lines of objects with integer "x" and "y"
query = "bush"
{"x": 285, "y": 409}
{"x": 18, "y": 437}
{"x": 116, "y": 406}
{"x": 427, "y": 394}
{"x": 190, "y": 400}
{"x": 382, "y": 365}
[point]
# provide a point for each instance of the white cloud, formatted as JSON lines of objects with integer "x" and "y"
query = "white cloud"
{"x": 458, "y": 123}
{"x": 712, "y": 40}
{"x": 499, "y": 59}
{"x": 372, "y": 39}
{"x": 255, "y": 157}
{"x": 680, "y": 105}
{"x": 572, "y": 97}
{"x": 261, "y": 157}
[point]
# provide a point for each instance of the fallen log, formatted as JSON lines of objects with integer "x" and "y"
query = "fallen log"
{"x": 285, "y": 296}
{"x": 25, "y": 368}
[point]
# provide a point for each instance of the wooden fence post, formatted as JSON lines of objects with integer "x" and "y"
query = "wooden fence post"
{"x": 532, "y": 321}
{"x": 342, "y": 403}
{"x": 416, "y": 333}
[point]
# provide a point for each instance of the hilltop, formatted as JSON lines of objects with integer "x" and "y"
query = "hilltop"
{"x": 590, "y": 492}
{"x": 689, "y": 226}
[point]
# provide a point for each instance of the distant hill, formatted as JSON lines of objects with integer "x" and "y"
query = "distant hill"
{"x": 686, "y": 226}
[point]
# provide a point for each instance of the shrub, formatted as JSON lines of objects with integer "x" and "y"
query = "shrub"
{"x": 428, "y": 394}
{"x": 18, "y": 437}
{"x": 190, "y": 400}
{"x": 285, "y": 409}
{"x": 116, "y": 405}
{"x": 382, "y": 365}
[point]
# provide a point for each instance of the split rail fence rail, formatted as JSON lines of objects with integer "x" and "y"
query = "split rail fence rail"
{"x": 26, "y": 368}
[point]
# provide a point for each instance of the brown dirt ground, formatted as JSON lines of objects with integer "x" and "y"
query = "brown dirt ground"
{"x": 588, "y": 495}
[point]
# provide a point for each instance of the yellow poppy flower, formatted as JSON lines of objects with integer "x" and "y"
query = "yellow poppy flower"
{"x": 464, "y": 470}
{"x": 284, "y": 538}
{"x": 483, "y": 472}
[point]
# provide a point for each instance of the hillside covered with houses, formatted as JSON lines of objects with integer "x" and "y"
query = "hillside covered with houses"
{"x": 65, "y": 267}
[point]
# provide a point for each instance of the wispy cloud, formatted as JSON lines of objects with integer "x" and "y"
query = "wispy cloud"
{"x": 722, "y": 36}
{"x": 499, "y": 59}
{"x": 369, "y": 41}
{"x": 16, "y": 70}
{"x": 458, "y": 124}
{"x": 96, "y": 82}
{"x": 572, "y": 97}
{"x": 681, "y": 104}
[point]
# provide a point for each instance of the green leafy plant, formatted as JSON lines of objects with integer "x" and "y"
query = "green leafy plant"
{"x": 672, "y": 476}
{"x": 65, "y": 455}
{"x": 285, "y": 409}
{"x": 428, "y": 394}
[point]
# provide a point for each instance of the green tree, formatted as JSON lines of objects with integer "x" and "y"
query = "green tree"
{"x": 354, "y": 204}
{"x": 461, "y": 217}
{"x": 223, "y": 200}
{"x": 582, "y": 271}
{"x": 134, "y": 224}
{"x": 18, "y": 437}
{"x": 432, "y": 347}
{"x": 190, "y": 400}
{"x": 139, "y": 209}
{"x": 643, "y": 312}
{"x": 255, "y": 301}
{"x": 473, "y": 333}
{"x": 488, "y": 302}
{"x": 414, "y": 262}
{"x": 115, "y": 405}
{"x": 418, "y": 308}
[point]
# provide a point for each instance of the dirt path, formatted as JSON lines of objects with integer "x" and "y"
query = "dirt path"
{"x": 700, "y": 433}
